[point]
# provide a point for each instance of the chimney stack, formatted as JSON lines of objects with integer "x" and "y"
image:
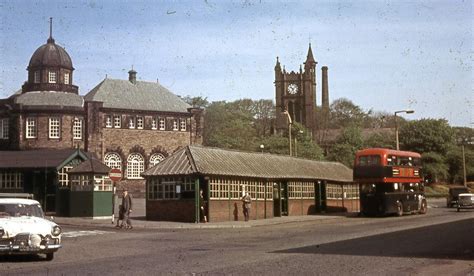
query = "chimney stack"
{"x": 132, "y": 76}
{"x": 325, "y": 89}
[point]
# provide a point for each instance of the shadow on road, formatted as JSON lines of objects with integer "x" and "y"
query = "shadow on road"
{"x": 443, "y": 241}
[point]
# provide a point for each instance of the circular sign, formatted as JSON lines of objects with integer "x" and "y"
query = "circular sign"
{"x": 115, "y": 175}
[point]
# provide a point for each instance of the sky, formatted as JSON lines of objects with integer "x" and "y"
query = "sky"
{"x": 382, "y": 55}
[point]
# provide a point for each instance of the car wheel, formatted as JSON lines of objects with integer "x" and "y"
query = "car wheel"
{"x": 49, "y": 256}
{"x": 423, "y": 207}
{"x": 399, "y": 209}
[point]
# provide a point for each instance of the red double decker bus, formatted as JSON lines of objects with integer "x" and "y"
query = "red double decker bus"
{"x": 390, "y": 182}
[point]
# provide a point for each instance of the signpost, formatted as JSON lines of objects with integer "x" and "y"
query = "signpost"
{"x": 115, "y": 175}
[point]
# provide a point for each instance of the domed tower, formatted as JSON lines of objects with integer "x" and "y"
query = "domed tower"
{"x": 50, "y": 69}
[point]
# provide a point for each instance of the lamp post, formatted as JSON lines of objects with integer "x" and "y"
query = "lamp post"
{"x": 296, "y": 143}
{"x": 464, "y": 141}
{"x": 407, "y": 111}
{"x": 262, "y": 146}
{"x": 289, "y": 127}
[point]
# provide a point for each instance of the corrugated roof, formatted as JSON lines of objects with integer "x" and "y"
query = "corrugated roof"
{"x": 43, "y": 158}
{"x": 49, "y": 98}
{"x": 213, "y": 161}
{"x": 90, "y": 166}
{"x": 123, "y": 94}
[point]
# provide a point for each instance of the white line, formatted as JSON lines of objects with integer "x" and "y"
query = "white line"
{"x": 74, "y": 234}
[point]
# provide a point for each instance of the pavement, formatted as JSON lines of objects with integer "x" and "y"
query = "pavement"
{"x": 139, "y": 221}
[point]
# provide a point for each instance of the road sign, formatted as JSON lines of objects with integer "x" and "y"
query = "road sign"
{"x": 115, "y": 175}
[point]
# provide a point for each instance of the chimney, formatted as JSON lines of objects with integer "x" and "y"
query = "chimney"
{"x": 132, "y": 76}
{"x": 325, "y": 89}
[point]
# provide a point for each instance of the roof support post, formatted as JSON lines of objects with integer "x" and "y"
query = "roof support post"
{"x": 197, "y": 198}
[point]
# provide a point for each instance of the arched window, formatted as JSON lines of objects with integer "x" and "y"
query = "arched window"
{"x": 135, "y": 165}
{"x": 156, "y": 158}
{"x": 113, "y": 160}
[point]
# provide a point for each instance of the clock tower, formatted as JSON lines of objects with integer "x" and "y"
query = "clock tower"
{"x": 296, "y": 94}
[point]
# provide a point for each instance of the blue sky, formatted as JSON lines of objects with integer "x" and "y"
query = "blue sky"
{"x": 382, "y": 55}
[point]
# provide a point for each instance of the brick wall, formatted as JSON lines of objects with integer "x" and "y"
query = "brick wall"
{"x": 171, "y": 210}
{"x": 225, "y": 210}
{"x": 301, "y": 207}
{"x": 337, "y": 205}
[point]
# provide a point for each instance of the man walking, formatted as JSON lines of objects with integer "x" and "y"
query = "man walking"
{"x": 126, "y": 209}
{"x": 246, "y": 202}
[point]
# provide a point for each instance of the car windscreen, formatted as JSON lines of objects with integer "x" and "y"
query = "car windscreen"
{"x": 19, "y": 210}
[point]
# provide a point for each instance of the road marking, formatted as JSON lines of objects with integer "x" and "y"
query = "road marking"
{"x": 74, "y": 234}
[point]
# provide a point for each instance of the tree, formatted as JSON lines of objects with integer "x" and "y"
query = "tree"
{"x": 196, "y": 101}
{"x": 426, "y": 135}
{"x": 434, "y": 167}
{"x": 346, "y": 146}
{"x": 344, "y": 112}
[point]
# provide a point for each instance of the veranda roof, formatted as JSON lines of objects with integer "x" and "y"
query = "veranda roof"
{"x": 213, "y": 161}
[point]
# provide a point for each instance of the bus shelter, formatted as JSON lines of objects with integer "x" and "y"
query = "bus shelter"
{"x": 278, "y": 185}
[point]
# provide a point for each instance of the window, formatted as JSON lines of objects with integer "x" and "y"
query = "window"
{"x": 108, "y": 121}
{"x": 175, "y": 124}
{"x": 11, "y": 180}
{"x": 117, "y": 121}
{"x": 182, "y": 124}
{"x": 131, "y": 122}
{"x": 36, "y": 77}
{"x": 156, "y": 158}
{"x": 63, "y": 176}
{"x": 165, "y": 188}
{"x": 135, "y": 165}
{"x": 77, "y": 129}
{"x": 235, "y": 188}
{"x": 113, "y": 160}
{"x": 337, "y": 191}
{"x": 54, "y": 129}
{"x": 52, "y": 77}
{"x": 66, "y": 78}
{"x": 4, "y": 128}
{"x": 30, "y": 127}
{"x": 154, "y": 123}
{"x": 162, "y": 124}
{"x": 139, "y": 122}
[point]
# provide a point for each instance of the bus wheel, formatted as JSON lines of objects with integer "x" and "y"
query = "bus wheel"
{"x": 423, "y": 207}
{"x": 399, "y": 209}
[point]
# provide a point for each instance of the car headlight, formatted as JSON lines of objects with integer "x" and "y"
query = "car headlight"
{"x": 56, "y": 231}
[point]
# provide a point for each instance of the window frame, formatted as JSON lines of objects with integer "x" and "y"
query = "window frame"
{"x": 175, "y": 125}
{"x": 154, "y": 123}
{"x": 66, "y": 78}
{"x": 37, "y": 77}
{"x": 31, "y": 125}
{"x": 54, "y": 130}
{"x": 162, "y": 123}
{"x": 77, "y": 128}
{"x": 4, "y": 128}
{"x": 117, "y": 121}
{"x": 109, "y": 121}
{"x": 182, "y": 124}
{"x": 135, "y": 167}
{"x": 132, "y": 122}
{"x": 113, "y": 160}
{"x": 139, "y": 122}
{"x": 52, "y": 77}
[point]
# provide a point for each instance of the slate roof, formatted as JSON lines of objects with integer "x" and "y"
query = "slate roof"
{"x": 213, "y": 161}
{"x": 43, "y": 158}
{"x": 150, "y": 96}
{"x": 90, "y": 166}
{"x": 49, "y": 98}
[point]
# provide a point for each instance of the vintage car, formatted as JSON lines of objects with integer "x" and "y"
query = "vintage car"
{"x": 465, "y": 201}
{"x": 25, "y": 231}
{"x": 452, "y": 199}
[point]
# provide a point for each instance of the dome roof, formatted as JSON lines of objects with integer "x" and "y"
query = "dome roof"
{"x": 50, "y": 55}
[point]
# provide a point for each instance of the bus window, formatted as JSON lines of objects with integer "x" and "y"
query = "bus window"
{"x": 369, "y": 160}
{"x": 406, "y": 161}
{"x": 368, "y": 188}
{"x": 363, "y": 160}
{"x": 391, "y": 160}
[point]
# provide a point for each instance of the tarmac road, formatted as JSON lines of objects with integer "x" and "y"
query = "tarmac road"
{"x": 438, "y": 243}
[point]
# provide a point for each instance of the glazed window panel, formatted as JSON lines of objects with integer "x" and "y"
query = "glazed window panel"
{"x": 102, "y": 183}
{"x": 108, "y": 121}
{"x": 182, "y": 124}
{"x": 66, "y": 78}
{"x": 36, "y": 77}
{"x": 154, "y": 123}
{"x": 175, "y": 125}
{"x": 54, "y": 127}
{"x": 135, "y": 166}
{"x": 52, "y": 77}
{"x": 156, "y": 158}
{"x": 113, "y": 160}
{"x": 131, "y": 122}
{"x": 117, "y": 121}
{"x": 31, "y": 127}
{"x": 11, "y": 180}
{"x": 140, "y": 122}
{"x": 269, "y": 190}
{"x": 162, "y": 122}
{"x": 63, "y": 177}
{"x": 155, "y": 189}
{"x": 4, "y": 128}
{"x": 77, "y": 129}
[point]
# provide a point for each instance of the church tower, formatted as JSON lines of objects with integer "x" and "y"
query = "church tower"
{"x": 296, "y": 93}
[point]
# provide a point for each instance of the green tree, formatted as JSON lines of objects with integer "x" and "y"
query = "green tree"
{"x": 346, "y": 146}
{"x": 196, "y": 101}
{"x": 344, "y": 113}
{"x": 426, "y": 135}
{"x": 434, "y": 167}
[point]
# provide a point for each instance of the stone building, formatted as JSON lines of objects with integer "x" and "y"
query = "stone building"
{"x": 295, "y": 93}
{"x": 127, "y": 124}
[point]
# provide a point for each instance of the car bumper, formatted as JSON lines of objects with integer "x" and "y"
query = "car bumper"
{"x": 18, "y": 249}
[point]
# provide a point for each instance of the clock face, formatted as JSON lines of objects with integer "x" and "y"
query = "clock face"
{"x": 292, "y": 89}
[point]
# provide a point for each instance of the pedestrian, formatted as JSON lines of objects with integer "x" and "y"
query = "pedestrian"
{"x": 127, "y": 209}
{"x": 120, "y": 217}
{"x": 202, "y": 207}
{"x": 246, "y": 203}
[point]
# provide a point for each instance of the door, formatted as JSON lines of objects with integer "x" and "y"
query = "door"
{"x": 276, "y": 200}
{"x": 284, "y": 198}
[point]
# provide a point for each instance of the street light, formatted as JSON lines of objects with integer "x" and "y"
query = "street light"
{"x": 296, "y": 143}
{"x": 407, "y": 111}
{"x": 262, "y": 146}
{"x": 289, "y": 127}
{"x": 465, "y": 141}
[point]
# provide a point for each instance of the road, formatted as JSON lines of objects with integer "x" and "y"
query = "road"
{"x": 440, "y": 242}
